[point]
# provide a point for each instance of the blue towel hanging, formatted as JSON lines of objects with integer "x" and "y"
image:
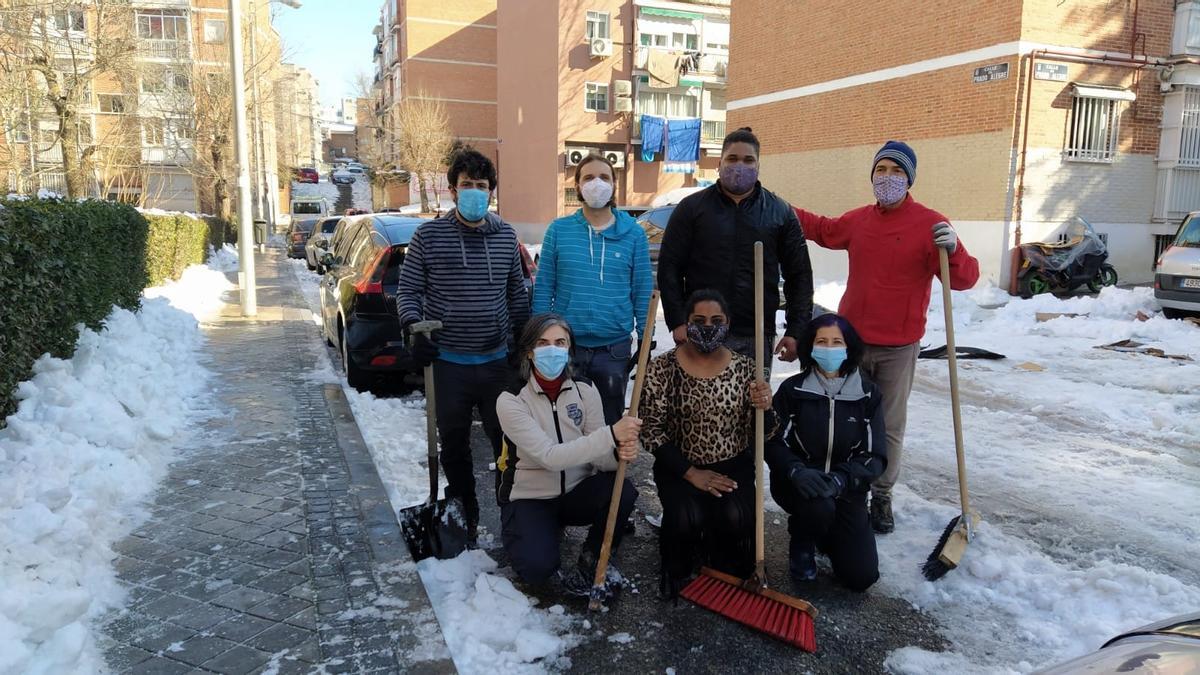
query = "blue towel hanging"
{"x": 652, "y": 136}
{"x": 683, "y": 140}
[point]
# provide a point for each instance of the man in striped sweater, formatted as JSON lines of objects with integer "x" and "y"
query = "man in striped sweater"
{"x": 464, "y": 269}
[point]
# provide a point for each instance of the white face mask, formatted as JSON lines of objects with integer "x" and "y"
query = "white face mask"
{"x": 596, "y": 193}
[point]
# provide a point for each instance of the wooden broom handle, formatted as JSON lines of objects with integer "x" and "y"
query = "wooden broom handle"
{"x": 952, "y": 357}
{"x": 759, "y": 422}
{"x": 618, "y": 482}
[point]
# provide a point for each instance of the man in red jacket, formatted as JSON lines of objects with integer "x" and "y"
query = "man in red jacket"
{"x": 892, "y": 246}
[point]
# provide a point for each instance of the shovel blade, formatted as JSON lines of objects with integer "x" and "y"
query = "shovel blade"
{"x": 435, "y": 529}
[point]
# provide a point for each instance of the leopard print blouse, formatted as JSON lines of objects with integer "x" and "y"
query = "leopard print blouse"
{"x": 710, "y": 419}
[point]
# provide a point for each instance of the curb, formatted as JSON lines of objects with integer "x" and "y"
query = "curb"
{"x": 386, "y": 542}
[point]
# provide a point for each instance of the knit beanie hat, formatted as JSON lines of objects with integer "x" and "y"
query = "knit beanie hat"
{"x": 900, "y": 153}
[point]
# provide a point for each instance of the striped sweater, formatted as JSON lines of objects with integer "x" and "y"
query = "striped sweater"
{"x": 469, "y": 278}
{"x": 599, "y": 282}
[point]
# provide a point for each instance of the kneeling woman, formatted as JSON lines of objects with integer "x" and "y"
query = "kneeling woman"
{"x": 699, "y": 423}
{"x": 828, "y": 449}
{"x": 558, "y": 460}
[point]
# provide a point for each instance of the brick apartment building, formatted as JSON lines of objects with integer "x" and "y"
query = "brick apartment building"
{"x": 1023, "y": 113}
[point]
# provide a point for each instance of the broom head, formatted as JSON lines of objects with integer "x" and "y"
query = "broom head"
{"x": 948, "y": 552}
{"x": 780, "y": 616}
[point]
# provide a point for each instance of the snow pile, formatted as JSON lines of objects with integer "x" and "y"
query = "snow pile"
{"x": 489, "y": 625}
{"x": 224, "y": 259}
{"x": 91, "y": 439}
{"x": 197, "y": 292}
{"x": 1009, "y": 606}
{"x": 394, "y": 430}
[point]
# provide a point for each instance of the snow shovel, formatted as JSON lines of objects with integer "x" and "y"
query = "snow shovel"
{"x": 749, "y": 601}
{"x": 596, "y": 601}
{"x": 953, "y": 543}
{"x": 437, "y": 528}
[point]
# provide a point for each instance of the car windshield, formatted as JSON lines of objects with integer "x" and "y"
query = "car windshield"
{"x": 1189, "y": 233}
{"x": 306, "y": 207}
{"x": 328, "y": 226}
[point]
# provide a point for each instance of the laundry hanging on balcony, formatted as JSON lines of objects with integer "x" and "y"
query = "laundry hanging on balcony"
{"x": 663, "y": 67}
{"x": 652, "y": 136}
{"x": 683, "y": 140}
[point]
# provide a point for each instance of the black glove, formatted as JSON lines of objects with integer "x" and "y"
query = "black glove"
{"x": 814, "y": 484}
{"x": 423, "y": 350}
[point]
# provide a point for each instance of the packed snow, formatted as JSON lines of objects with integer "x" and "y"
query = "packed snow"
{"x": 89, "y": 443}
{"x": 1081, "y": 461}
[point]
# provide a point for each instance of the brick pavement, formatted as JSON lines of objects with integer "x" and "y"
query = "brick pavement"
{"x": 271, "y": 545}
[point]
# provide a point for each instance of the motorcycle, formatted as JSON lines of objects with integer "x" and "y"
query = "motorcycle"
{"x": 1063, "y": 267}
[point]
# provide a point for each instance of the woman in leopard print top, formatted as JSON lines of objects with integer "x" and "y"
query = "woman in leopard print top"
{"x": 698, "y": 420}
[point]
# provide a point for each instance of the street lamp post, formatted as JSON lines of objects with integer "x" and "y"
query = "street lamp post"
{"x": 245, "y": 217}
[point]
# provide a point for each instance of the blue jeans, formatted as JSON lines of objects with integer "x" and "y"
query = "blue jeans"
{"x": 608, "y": 369}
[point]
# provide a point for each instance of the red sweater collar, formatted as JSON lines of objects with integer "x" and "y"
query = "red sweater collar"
{"x": 550, "y": 387}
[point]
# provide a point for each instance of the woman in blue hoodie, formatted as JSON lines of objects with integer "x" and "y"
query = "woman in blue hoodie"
{"x": 595, "y": 272}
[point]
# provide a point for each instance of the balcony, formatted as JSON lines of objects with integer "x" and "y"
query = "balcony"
{"x": 171, "y": 50}
{"x": 711, "y": 67}
{"x": 168, "y": 155}
{"x": 712, "y": 132}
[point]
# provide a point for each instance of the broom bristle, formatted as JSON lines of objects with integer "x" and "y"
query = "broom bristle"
{"x": 770, "y": 616}
{"x": 935, "y": 568}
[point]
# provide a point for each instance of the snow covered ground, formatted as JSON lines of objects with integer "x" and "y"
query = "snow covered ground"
{"x": 91, "y": 440}
{"x": 1085, "y": 472}
{"x": 356, "y": 195}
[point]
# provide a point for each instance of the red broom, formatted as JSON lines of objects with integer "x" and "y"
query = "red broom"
{"x": 749, "y": 601}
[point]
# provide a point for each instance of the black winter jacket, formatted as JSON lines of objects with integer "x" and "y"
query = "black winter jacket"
{"x": 709, "y": 243}
{"x": 859, "y": 445}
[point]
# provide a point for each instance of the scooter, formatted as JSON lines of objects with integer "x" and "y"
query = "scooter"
{"x": 1063, "y": 267}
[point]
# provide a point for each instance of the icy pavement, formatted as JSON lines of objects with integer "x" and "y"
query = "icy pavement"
{"x": 356, "y": 195}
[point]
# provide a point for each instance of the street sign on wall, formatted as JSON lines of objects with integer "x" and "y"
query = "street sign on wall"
{"x": 1050, "y": 71}
{"x": 996, "y": 71}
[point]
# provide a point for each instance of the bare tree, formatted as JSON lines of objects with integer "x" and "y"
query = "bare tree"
{"x": 423, "y": 133}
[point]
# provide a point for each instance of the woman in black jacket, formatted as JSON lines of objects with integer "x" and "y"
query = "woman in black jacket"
{"x": 829, "y": 446}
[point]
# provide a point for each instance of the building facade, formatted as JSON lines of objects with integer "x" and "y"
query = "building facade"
{"x": 298, "y": 111}
{"x": 578, "y": 80}
{"x": 1024, "y": 114}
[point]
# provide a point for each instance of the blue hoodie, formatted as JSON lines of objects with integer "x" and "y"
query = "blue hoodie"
{"x": 600, "y": 282}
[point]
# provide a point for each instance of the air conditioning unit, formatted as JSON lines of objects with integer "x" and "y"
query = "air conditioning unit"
{"x": 600, "y": 47}
{"x": 623, "y": 104}
{"x": 622, "y": 87}
{"x": 617, "y": 159}
{"x": 576, "y": 155}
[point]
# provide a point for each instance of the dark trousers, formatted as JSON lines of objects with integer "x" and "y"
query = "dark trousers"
{"x": 744, "y": 345}
{"x": 839, "y": 528}
{"x": 460, "y": 390}
{"x": 608, "y": 369}
{"x": 700, "y": 529}
{"x": 530, "y": 528}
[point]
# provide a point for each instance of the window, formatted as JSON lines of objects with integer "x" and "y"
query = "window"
{"x": 69, "y": 20}
{"x": 162, "y": 24}
{"x": 689, "y": 41}
{"x": 667, "y": 104}
{"x": 17, "y": 129}
{"x": 716, "y": 47}
{"x": 1189, "y": 141}
{"x": 159, "y": 80}
{"x": 214, "y": 31}
{"x": 180, "y": 130}
{"x": 153, "y": 132}
{"x": 1094, "y": 125}
{"x": 597, "y": 25}
{"x": 653, "y": 40}
{"x": 595, "y": 97}
{"x": 112, "y": 103}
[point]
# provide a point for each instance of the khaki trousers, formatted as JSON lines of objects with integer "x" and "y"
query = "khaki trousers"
{"x": 891, "y": 369}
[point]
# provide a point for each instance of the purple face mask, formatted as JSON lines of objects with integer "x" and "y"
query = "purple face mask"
{"x": 890, "y": 188}
{"x": 739, "y": 178}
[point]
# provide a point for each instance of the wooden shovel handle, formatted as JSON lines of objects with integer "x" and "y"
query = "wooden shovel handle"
{"x": 619, "y": 480}
{"x": 952, "y": 357}
{"x": 759, "y": 422}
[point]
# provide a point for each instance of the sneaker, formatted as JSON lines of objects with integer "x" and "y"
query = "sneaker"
{"x": 802, "y": 560}
{"x": 573, "y": 582}
{"x": 881, "y": 513}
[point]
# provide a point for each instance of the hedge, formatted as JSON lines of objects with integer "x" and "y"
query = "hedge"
{"x": 64, "y": 263}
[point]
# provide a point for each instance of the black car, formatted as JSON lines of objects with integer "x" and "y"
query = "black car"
{"x": 358, "y": 298}
{"x": 298, "y": 235}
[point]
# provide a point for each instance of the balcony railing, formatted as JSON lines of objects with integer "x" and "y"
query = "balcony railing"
{"x": 712, "y": 131}
{"x": 164, "y": 49}
{"x": 167, "y": 155}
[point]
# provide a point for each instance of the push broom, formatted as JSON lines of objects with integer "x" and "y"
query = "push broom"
{"x": 749, "y": 601}
{"x": 596, "y": 601}
{"x": 953, "y": 543}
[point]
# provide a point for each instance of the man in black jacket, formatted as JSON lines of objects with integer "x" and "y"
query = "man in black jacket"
{"x": 709, "y": 243}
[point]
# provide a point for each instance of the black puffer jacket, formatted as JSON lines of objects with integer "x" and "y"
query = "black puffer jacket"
{"x": 709, "y": 243}
{"x": 807, "y": 414}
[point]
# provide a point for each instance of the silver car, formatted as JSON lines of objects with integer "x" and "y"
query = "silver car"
{"x": 318, "y": 243}
{"x": 1171, "y": 646}
{"x": 1177, "y": 273}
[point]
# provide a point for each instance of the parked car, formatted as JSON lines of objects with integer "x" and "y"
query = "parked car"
{"x": 358, "y": 298}
{"x": 341, "y": 176}
{"x": 298, "y": 234}
{"x": 318, "y": 242}
{"x": 356, "y": 168}
{"x": 390, "y": 209}
{"x": 307, "y": 174}
{"x": 310, "y": 207}
{"x": 529, "y": 266}
{"x": 654, "y": 224}
{"x": 1177, "y": 272}
{"x": 1170, "y": 646}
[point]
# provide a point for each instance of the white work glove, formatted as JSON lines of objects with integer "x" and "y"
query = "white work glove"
{"x": 944, "y": 236}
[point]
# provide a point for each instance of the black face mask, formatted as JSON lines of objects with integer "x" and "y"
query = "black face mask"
{"x": 707, "y": 338}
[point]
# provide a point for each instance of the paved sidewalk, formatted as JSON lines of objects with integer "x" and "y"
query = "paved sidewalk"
{"x": 271, "y": 545}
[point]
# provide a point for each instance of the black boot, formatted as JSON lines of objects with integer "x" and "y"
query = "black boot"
{"x": 802, "y": 559}
{"x": 881, "y": 513}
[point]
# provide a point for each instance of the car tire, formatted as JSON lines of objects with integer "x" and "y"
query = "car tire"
{"x": 355, "y": 376}
{"x": 309, "y": 265}
{"x": 1172, "y": 313}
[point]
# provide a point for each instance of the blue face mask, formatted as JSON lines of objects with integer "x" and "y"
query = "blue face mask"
{"x": 550, "y": 360}
{"x": 829, "y": 359}
{"x": 473, "y": 204}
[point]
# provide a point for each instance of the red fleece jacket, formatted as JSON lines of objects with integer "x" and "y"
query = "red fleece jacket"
{"x": 893, "y": 262}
